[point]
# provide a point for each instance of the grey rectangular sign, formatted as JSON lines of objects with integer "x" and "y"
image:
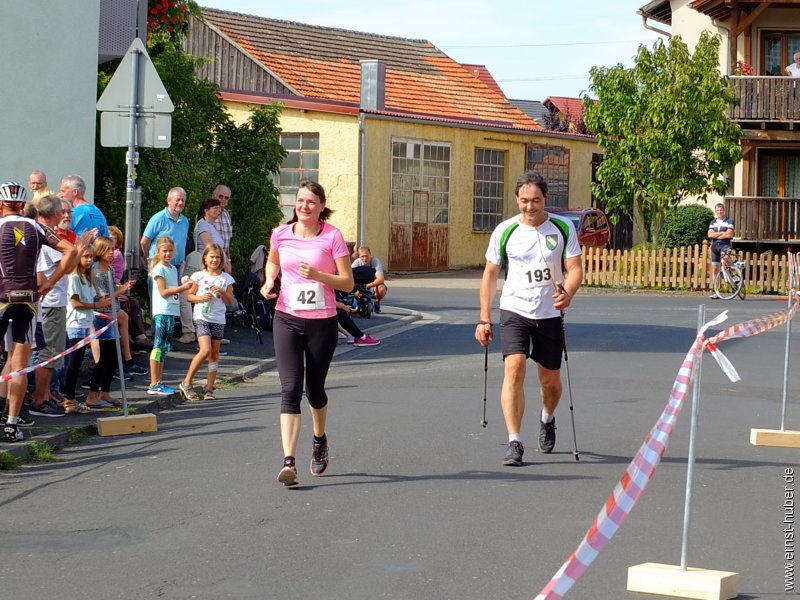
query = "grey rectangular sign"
{"x": 152, "y": 130}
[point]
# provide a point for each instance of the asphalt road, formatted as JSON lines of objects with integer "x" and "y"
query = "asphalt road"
{"x": 417, "y": 504}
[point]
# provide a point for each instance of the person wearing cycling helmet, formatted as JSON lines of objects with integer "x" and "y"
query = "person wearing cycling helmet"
{"x": 21, "y": 240}
{"x": 720, "y": 232}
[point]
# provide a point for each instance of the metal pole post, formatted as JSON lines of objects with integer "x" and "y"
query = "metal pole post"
{"x": 791, "y": 286}
{"x": 114, "y": 314}
{"x": 131, "y": 199}
{"x": 687, "y": 506}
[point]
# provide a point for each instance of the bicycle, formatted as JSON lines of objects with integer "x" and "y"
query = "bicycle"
{"x": 729, "y": 281}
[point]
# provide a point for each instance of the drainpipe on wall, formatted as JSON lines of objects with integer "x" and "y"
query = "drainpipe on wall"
{"x": 651, "y": 28}
{"x": 362, "y": 181}
{"x": 373, "y": 97}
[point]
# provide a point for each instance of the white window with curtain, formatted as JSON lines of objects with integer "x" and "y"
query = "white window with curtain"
{"x": 419, "y": 166}
{"x": 301, "y": 162}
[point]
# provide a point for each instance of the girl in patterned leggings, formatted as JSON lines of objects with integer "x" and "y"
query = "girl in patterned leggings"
{"x": 166, "y": 307}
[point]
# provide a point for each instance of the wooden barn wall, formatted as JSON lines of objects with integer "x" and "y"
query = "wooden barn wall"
{"x": 230, "y": 68}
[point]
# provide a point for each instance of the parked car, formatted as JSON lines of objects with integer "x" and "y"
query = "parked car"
{"x": 591, "y": 224}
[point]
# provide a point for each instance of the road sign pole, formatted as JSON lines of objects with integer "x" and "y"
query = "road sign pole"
{"x": 132, "y": 200}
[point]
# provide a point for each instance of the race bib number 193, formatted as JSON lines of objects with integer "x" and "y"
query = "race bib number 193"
{"x": 307, "y": 296}
{"x": 538, "y": 277}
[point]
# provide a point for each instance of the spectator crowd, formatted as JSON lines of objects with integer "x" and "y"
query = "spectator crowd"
{"x": 63, "y": 281}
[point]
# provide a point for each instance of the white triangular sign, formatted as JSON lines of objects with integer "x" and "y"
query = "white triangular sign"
{"x": 152, "y": 96}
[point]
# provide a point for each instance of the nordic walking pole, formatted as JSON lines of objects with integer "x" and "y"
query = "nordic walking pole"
{"x": 560, "y": 289}
{"x": 485, "y": 376}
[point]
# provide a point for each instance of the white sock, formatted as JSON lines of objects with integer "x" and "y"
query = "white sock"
{"x": 514, "y": 437}
{"x": 546, "y": 417}
{"x": 12, "y": 420}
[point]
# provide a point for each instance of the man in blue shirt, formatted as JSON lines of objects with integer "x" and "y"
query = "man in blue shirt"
{"x": 170, "y": 222}
{"x": 85, "y": 215}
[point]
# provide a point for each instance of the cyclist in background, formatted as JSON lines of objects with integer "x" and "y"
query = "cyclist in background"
{"x": 720, "y": 232}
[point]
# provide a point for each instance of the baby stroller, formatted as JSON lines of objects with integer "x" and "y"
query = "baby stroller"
{"x": 361, "y": 298}
{"x": 257, "y": 312}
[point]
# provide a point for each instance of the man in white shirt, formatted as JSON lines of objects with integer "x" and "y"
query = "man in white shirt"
{"x": 377, "y": 285}
{"x": 536, "y": 247}
{"x": 53, "y": 308}
{"x": 793, "y": 70}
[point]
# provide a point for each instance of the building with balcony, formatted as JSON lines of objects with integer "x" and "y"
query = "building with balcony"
{"x": 759, "y": 39}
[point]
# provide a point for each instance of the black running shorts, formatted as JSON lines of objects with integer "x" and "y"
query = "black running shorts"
{"x": 539, "y": 339}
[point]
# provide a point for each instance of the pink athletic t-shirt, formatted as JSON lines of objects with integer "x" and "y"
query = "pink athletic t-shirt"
{"x": 301, "y": 297}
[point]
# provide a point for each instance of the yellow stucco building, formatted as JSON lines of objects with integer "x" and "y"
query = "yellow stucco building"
{"x": 418, "y": 155}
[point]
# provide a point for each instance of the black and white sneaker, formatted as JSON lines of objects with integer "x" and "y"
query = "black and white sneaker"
{"x": 12, "y": 433}
{"x": 288, "y": 474}
{"x": 547, "y": 436}
{"x": 25, "y": 418}
{"x": 514, "y": 454}
{"x": 319, "y": 457}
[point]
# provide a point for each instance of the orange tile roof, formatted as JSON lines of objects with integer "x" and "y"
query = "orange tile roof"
{"x": 323, "y": 63}
{"x": 571, "y": 107}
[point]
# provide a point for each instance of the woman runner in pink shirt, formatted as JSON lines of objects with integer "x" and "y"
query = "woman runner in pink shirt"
{"x": 313, "y": 260}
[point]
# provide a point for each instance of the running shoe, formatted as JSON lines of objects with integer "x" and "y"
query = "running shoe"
{"x": 514, "y": 454}
{"x": 12, "y": 433}
{"x": 160, "y": 389}
{"x": 126, "y": 374}
{"x": 135, "y": 369}
{"x": 25, "y": 418}
{"x": 366, "y": 341}
{"x": 319, "y": 457}
{"x": 288, "y": 475}
{"x": 547, "y": 436}
{"x": 47, "y": 409}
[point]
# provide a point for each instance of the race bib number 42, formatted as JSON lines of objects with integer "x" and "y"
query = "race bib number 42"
{"x": 307, "y": 296}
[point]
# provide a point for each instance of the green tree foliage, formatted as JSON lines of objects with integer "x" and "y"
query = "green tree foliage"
{"x": 686, "y": 225}
{"x": 664, "y": 129}
{"x": 207, "y": 149}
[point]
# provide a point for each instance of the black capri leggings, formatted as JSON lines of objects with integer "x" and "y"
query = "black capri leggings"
{"x": 74, "y": 362}
{"x": 349, "y": 325}
{"x": 105, "y": 368}
{"x": 297, "y": 339}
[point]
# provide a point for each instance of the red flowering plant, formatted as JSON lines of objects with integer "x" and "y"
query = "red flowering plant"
{"x": 742, "y": 68}
{"x": 170, "y": 18}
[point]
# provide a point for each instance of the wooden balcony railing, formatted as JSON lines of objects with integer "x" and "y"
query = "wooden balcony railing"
{"x": 764, "y": 219}
{"x": 766, "y": 98}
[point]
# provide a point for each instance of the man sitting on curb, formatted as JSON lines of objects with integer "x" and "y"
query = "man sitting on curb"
{"x": 377, "y": 285}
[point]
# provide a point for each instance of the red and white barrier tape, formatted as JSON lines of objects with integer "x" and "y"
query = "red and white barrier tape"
{"x": 84, "y": 342}
{"x": 641, "y": 469}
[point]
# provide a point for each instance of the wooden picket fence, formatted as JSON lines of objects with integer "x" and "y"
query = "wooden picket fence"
{"x": 686, "y": 268}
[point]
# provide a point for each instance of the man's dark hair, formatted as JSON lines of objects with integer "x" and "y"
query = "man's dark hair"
{"x": 531, "y": 178}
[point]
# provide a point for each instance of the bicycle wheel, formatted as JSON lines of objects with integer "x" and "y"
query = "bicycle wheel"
{"x": 728, "y": 282}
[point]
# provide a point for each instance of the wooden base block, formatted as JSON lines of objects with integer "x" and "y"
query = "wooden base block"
{"x": 124, "y": 425}
{"x": 671, "y": 580}
{"x": 775, "y": 437}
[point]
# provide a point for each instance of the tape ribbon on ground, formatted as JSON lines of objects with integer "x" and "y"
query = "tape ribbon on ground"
{"x": 641, "y": 469}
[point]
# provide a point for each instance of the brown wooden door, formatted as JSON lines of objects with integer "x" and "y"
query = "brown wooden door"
{"x": 419, "y": 231}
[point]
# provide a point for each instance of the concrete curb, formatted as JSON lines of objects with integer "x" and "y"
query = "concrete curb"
{"x": 60, "y": 439}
